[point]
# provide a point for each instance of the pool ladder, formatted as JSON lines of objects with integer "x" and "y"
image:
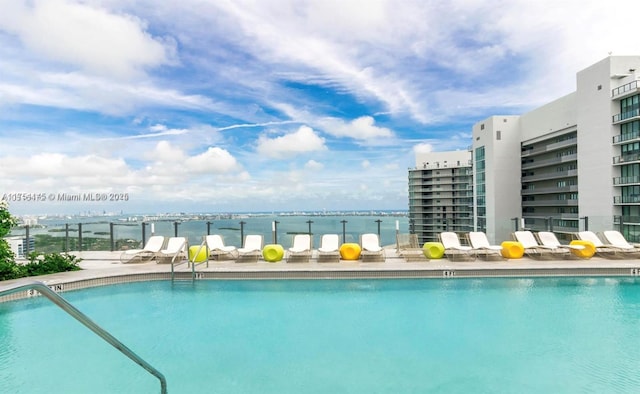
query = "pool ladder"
{"x": 190, "y": 262}
{"x": 84, "y": 319}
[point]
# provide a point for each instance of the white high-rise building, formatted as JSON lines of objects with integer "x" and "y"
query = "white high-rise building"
{"x": 571, "y": 164}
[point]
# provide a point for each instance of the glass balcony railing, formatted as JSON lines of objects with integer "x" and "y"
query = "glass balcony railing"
{"x": 624, "y": 89}
{"x": 626, "y": 115}
{"x": 617, "y": 139}
{"x": 626, "y": 158}
{"x": 626, "y": 180}
{"x": 632, "y": 199}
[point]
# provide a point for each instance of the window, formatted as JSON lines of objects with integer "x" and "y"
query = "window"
{"x": 498, "y": 135}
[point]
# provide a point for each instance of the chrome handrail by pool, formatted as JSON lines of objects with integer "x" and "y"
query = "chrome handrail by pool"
{"x": 84, "y": 319}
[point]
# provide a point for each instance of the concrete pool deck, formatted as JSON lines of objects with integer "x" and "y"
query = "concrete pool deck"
{"x": 104, "y": 268}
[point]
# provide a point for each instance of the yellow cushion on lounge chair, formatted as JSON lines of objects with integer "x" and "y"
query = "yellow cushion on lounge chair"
{"x": 433, "y": 250}
{"x": 512, "y": 250}
{"x": 588, "y": 251}
{"x": 198, "y": 254}
{"x": 273, "y": 253}
{"x": 350, "y": 251}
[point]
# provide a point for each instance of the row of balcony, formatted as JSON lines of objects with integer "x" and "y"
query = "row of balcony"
{"x": 430, "y": 189}
{"x": 549, "y": 190}
{"x": 549, "y": 162}
{"x": 550, "y": 203}
{"x": 442, "y": 202}
{"x": 430, "y": 174}
{"x": 440, "y": 181}
{"x": 550, "y": 147}
{"x": 445, "y": 197}
{"x": 549, "y": 175}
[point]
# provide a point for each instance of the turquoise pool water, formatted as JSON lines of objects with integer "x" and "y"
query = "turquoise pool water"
{"x": 565, "y": 335}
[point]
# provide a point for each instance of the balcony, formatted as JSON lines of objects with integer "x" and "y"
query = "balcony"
{"x": 625, "y": 90}
{"x": 622, "y": 200}
{"x": 550, "y": 203}
{"x": 549, "y": 190}
{"x": 550, "y": 147}
{"x": 550, "y": 162}
{"x": 625, "y": 116}
{"x": 626, "y": 180}
{"x": 549, "y": 175}
{"x": 627, "y": 137}
{"x": 626, "y": 159}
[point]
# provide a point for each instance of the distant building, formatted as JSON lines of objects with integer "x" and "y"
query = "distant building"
{"x": 20, "y": 246}
{"x": 28, "y": 220}
{"x": 569, "y": 165}
{"x": 440, "y": 194}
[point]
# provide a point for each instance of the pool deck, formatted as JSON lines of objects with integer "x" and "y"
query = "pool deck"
{"x": 104, "y": 268}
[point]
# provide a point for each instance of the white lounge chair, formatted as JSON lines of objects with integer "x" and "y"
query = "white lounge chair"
{"x": 479, "y": 241}
{"x": 147, "y": 253}
{"x": 453, "y": 248}
{"x": 217, "y": 248}
{"x": 300, "y": 251}
{"x": 535, "y": 250}
{"x": 602, "y": 249}
{"x": 252, "y": 249}
{"x": 408, "y": 247}
{"x": 371, "y": 249}
{"x": 617, "y": 240}
{"x": 174, "y": 251}
{"x": 547, "y": 238}
{"x": 329, "y": 249}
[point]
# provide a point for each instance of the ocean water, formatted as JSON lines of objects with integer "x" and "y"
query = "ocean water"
{"x": 542, "y": 335}
{"x": 231, "y": 228}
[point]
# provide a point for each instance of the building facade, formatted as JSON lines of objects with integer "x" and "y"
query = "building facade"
{"x": 569, "y": 165}
{"x": 440, "y": 194}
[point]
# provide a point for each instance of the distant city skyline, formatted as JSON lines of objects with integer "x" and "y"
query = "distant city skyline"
{"x": 243, "y": 106}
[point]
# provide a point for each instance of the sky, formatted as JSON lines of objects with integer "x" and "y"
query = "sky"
{"x": 270, "y": 105}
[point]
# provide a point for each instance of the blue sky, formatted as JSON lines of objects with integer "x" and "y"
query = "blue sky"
{"x": 271, "y": 105}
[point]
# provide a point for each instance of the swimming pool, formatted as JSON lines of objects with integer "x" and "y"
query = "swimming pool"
{"x": 347, "y": 336}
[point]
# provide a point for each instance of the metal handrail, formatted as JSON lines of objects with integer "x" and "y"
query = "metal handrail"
{"x": 84, "y": 319}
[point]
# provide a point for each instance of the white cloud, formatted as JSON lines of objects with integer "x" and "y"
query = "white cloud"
{"x": 304, "y": 140}
{"x": 81, "y": 92}
{"x": 362, "y": 128}
{"x": 313, "y": 165}
{"x": 169, "y": 159}
{"x": 91, "y": 38}
{"x": 422, "y": 148}
{"x": 214, "y": 160}
{"x": 365, "y": 164}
